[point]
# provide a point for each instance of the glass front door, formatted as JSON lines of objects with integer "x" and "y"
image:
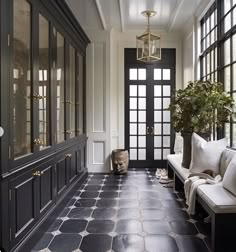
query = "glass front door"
{"x": 148, "y": 134}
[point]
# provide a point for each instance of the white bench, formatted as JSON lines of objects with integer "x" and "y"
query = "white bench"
{"x": 219, "y": 203}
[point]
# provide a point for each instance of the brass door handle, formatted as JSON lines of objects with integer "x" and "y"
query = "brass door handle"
{"x": 147, "y": 131}
{"x": 68, "y": 155}
{"x": 38, "y": 141}
{"x": 152, "y": 131}
{"x": 69, "y": 132}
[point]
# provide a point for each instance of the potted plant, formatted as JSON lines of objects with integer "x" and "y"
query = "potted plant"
{"x": 201, "y": 107}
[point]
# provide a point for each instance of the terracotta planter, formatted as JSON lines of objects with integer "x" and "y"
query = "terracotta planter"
{"x": 187, "y": 146}
{"x": 120, "y": 161}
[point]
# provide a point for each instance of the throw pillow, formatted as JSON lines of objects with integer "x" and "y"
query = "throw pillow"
{"x": 206, "y": 155}
{"x": 230, "y": 177}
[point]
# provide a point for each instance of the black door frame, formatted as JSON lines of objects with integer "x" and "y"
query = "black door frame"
{"x": 168, "y": 61}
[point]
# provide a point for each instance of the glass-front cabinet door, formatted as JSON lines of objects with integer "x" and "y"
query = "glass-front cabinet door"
{"x": 46, "y": 85}
{"x": 21, "y": 76}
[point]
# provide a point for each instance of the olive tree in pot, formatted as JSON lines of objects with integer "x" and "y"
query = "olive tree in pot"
{"x": 201, "y": 107}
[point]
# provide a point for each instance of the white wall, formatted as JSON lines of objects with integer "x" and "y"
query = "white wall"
{"x": 98, "y": 101}
{"x": 105, "y": 91}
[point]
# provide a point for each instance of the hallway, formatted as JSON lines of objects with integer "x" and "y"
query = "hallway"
{"x": 132, "y": 213}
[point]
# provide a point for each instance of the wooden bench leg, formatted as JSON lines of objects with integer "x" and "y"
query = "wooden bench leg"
{"x": 223, "y": 229}
{"x": 178, "y": 184}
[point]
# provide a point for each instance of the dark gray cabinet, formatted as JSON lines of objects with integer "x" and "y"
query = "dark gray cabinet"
{"x": 42, "y": 111}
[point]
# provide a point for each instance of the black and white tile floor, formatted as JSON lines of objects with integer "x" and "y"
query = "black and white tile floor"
{"x": 130, "y": 213}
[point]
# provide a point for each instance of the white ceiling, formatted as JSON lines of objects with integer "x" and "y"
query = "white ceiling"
{"x": 124, "y": 15}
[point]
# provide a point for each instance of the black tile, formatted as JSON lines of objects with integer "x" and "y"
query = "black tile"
{"x": 110, "y": 188}
{"x": 156, "y": 227}
{"x": 128, "y": 203}
{"x": 128, "y": 213}
{"x": 73, "y": 226}
{"x": 90, "y": 194}
{"x": 80, "y": 213}
{"x": 128, "y": 227}
{"x": 43, "y": 242}
{"x": 100, "y": 226}
{"x": 171, "y": 203}
{"x": 64, "y": 212}
{"x": 148, "y": 195}
{"x": 191, "y": 243}
{"x": 95, "y": 182}
{"x": 204, "y": 228}
{"x": 124, "y": 243}
{"x": 106, "y": 203}
{"x": 129, "y": 188}
{"x": 153, "y": 214}
{"x": 128, "y": 195}
{"x": 150, "y": 203}
{"x": 161, "y": 243}
{"x": 96, "y": 242}
{"x": 92, "y": 188}
{"x": 71, "y": 202}
{"x": 176, "y": 214}
{"x": 55, "y": 225}
{"x": 104, "y": 213}
{"x": 108, "y": 195}
{"x": 85, "y": 203}
{"x": 65, "y": 242}
{"x": 183, "y": 227}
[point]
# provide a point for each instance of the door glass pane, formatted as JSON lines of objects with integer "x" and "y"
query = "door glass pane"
{"x": 157, "y": 103}
{"x": 166, "y": 90}
{"x": 157, "y": 90}
{"x": 133, "y": 103}
{"x": 133, "y": 141}
{"x": 133, "y": 74}
{"x": 133, "y": 154}
{"x": 166, "y": 116}
{"x": 21, "y": 86}
{"x": 142, "y": 103}
{"x": 157, "y": 141}
{"x": 142, "y": 128}
{"x": 166, "y": 141}
{"x": 133, "y": 116}
{"x": 157, "y": 116}
{"x": 60, "y": 89}
{"x": 44, "y": 116}
{"x": 142, "y": 74}
{"x": 141, "y": 154}
{"x": 234, "y": 135}
{"x": 166, "y": 74}
{"x": 157, "y": 129}
{"x": 133, "y": 129}
{"x": 166, "y": 103}
{"x": 157, "y": 74}
{"x": 133, "y": 90}
{"x": 72, "y": 92}
{"x": 142, "y": 90}
{"x": 142, "y": 116}
{"x": 165, "y": 153}
{"x": 142, "y": 141}
{"x": 166, "y": 129}
{"x": 157, "y": 154}
{"x": 227, "y": 6}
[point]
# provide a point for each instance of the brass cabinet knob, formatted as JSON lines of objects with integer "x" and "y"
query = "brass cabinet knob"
{"x": 38, "y": 141}
{"x": 36, "y": 174}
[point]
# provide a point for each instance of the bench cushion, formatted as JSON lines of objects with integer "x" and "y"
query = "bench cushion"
{"x": 217, "y": 198}
{"x": 175, "y": 160}
{"x": 226, "y": 156}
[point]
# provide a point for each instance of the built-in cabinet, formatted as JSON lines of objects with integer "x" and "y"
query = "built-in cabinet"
{"x": 43, "y": 148}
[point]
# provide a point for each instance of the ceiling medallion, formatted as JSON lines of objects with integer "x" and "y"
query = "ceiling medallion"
{"x": 148, "y": 44}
